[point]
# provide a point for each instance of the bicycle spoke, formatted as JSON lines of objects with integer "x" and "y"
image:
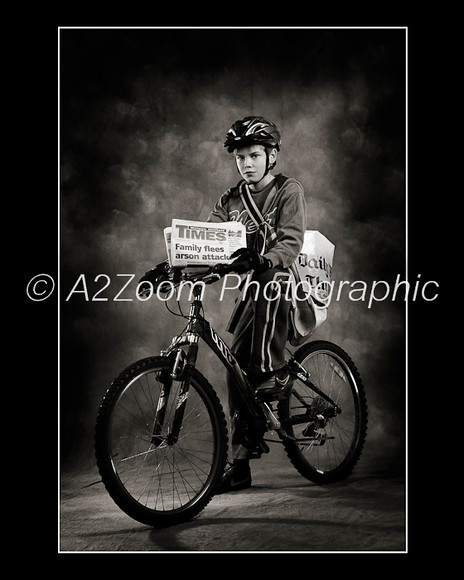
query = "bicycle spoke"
{"x": 328, "y": 439}
{"x": 164, "y": 475}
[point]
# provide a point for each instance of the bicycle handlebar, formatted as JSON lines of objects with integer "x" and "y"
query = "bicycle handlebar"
{"x": 212, "y": 273}
{"x": 176, "y": 274}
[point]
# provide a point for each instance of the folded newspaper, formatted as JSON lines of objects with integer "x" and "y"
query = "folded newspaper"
{"x": 314, "y": 264}
{"x": 192, "y": 243}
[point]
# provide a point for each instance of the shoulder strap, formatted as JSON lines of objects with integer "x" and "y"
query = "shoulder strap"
{"x": 280, "y": 180}
{"x": 253, "y": 210}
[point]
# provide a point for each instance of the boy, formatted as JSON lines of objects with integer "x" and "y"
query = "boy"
{"x": 260, "y": 326}
{"x": 260, "y": 323}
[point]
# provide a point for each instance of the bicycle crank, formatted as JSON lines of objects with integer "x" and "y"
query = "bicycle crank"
{"x": 273, "y": 423}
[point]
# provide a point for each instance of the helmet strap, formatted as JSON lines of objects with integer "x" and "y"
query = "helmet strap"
{"x": 267, "y": 163}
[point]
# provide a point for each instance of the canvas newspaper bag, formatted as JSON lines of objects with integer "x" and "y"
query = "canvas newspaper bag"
{"x": 311, "y": 275}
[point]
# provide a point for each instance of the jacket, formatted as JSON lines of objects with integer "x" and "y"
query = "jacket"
{"x": 284, "y": 208}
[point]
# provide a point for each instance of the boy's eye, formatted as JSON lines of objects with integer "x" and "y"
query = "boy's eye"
{"x": 252, "y": 155}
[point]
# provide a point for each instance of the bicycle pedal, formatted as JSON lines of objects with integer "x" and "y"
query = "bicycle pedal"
{"x": 261, "y": 448}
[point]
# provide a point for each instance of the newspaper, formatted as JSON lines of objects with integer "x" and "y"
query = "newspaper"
{"x": 192, "y": 243}
{"x": 315, "y": 262}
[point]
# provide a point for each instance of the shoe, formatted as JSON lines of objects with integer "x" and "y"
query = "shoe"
{"x": 276, "y": 387}
{"x": 236, "y": 477}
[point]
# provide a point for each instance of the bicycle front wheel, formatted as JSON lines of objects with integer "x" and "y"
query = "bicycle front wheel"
{"x": 156, "y": 474}
{"x": 326, "y": 442}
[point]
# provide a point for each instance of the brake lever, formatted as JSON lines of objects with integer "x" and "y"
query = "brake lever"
{"x": 211, "y": 278}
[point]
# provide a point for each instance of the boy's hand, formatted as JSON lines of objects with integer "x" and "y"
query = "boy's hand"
{"x": 246, "y": 259}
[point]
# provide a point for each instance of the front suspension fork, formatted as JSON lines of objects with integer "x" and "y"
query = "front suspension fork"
{"x": 181, "y": 370}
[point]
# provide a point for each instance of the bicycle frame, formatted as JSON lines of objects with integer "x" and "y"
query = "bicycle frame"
{"x": 161, "y": 435}
{"x": 198, "y": 327}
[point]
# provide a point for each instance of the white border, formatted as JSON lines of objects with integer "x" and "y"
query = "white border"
{"x": 405, "y": 28}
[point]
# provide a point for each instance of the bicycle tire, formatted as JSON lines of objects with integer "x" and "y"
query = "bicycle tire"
{"x": 159, "y": 482}
{"x": 325, "y": 453}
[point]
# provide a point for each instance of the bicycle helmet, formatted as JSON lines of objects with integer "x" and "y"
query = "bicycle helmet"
{"x": 252, "y": 130}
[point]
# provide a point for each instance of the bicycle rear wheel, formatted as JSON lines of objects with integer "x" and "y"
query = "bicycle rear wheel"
{"x": 327, "y": 445}
{"x": 155, "y": 477}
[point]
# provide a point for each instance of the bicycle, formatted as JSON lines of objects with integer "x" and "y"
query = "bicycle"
{"x": 161, "y": 436}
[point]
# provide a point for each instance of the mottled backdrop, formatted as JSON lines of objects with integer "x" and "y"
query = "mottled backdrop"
{"x": 143, "y": 115}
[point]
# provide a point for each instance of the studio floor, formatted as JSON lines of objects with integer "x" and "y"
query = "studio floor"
{"x": 281, "y": 512}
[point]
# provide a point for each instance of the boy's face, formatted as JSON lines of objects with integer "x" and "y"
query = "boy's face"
{"x": 252, "y": 162}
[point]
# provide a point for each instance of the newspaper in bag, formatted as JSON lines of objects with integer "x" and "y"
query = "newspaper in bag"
{"x": 313, "y": 272}
{"x": 314, "y": 265}
{"x": 192, "y": 243}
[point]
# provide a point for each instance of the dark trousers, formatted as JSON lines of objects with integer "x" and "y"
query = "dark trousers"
{"x": 260, "y": 337}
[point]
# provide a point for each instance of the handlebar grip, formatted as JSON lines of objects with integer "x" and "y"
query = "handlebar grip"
{"x": 236, "y": 266}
